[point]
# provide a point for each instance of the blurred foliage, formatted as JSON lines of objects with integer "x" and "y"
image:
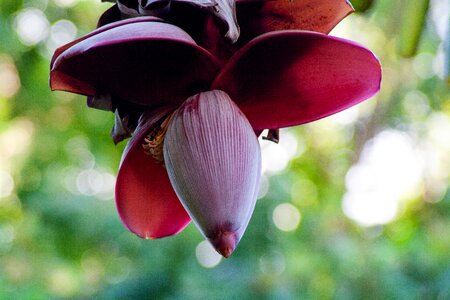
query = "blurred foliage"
{"x": 362, "y": 5}
{"x": 413, "y": 20}
{"x": 60, "y": 236}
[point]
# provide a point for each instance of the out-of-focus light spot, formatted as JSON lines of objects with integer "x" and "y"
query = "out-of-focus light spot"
{"x": 272, "y": 263}
{"x": 31, "y": 26}
{"x": 390, "y": 171}
{"x": 62, "y": 32}
{"x": 206, "y": 255}
{"x": 89, "y": 182}
{"x": 93, "y": 182}
{"x": 440, "y": 62}
{"x": 324, "y": 135}
{"x": 370, "y": 208}
{"x": 78, "y": 149}
{"x": 62, "y": 282}
{"x": 6, "y": 184}
{"x": 416, "y": 104}
{"x": 286, "y": 217}
{"x": 437, "y": 156}
{"x": 439, "y": 130}
{"x": 347, "y": 116}
{"x": 66, "y": 3}
{"x": 355, "y": 31}
{"x": 423, "y": 65}
{"x": 69, "y": 178}
{"x": 16, "y": 270}
{"x": 393, "y": 162}
{"x": 9, "y": 78}
{"x": 263, "y": 187}
{"x": 16, "y": 139}
{"x": 93, "y": 272}
{"x": 276, "y": 157}
{"x": 440, "y": 12}
{"x": 7, "y": 235}
{"x": 119, "y": 270}
{"x": 304, "y": 192}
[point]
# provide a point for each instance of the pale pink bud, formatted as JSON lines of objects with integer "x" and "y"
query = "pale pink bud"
{"x": 213, "y": 159}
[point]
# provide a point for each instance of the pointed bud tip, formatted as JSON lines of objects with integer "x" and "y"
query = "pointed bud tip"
{"x": 225, "y": 243}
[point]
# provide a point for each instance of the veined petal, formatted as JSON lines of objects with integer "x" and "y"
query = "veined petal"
{"x": 260, "y": 16}
{"x": 288, "y": 78}
{"x": 145, "y": 198}
{"x": 213, "y": 160}
{"x": 136, "y": 61}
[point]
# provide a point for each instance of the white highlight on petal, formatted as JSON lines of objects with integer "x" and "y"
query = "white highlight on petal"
{"x": 206, "y": 255}
{"x": 286, "y": 217}
{"x": 31, "y": 26}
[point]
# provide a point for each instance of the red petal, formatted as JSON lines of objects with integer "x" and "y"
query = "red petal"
{"x": 293, "y": 77}
{"x": 145, "y": 199}
{"x": 144, "y": 61}
{"x": 260, "y": 16}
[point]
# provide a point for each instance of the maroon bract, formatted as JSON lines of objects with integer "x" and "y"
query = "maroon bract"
{"x": 279, "y": 79}
{"x": 209, "y": 21}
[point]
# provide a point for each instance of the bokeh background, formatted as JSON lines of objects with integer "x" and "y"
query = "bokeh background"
{"x": 354, "y": 206}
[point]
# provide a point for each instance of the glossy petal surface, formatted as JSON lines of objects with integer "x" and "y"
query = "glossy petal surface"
{"x": 292, "y": 77}
{"x": 260, "y": 16}
{"x": 145, "y": 198}
{"x": 136, "y": 61}
{"x": 213, "y": 160}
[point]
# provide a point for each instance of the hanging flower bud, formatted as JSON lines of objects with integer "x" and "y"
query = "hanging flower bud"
{"x": 213, "y": 160}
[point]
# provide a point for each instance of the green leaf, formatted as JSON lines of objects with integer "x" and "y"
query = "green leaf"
{"x": 413, "y": 22}
{"x": 362, "y": 5}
